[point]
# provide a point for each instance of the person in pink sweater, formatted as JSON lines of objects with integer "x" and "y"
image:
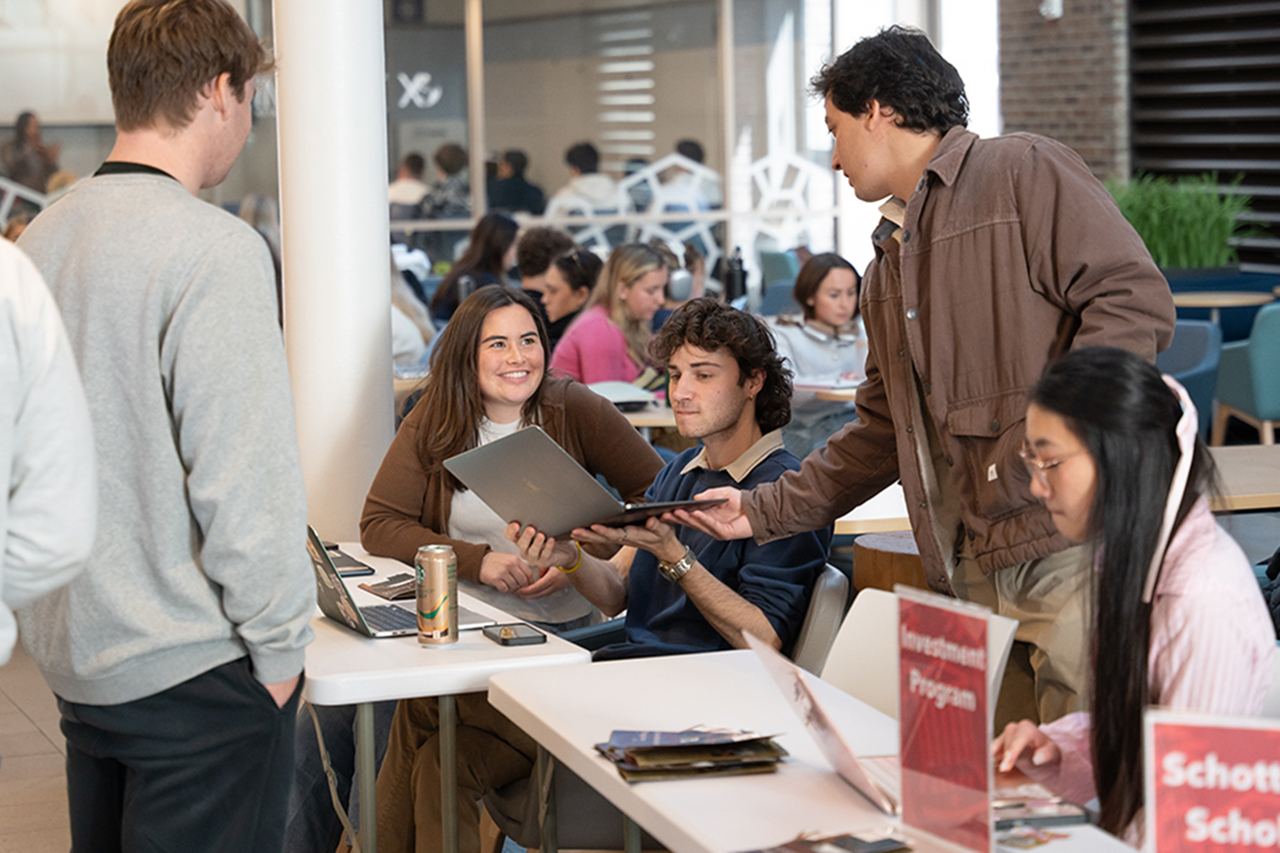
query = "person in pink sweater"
{"x": 608, "y": 341}
{"x": 1111, "y": 448}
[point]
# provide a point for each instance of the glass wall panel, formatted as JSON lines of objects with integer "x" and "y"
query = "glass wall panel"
{"x": 427, "y": 116}
{"x": 641, "y": 83}
{"x": 784, "y": 189}
{"x": 632, "y": 81}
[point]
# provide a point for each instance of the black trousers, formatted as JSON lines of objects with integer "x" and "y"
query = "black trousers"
{"x": 203, "y": 766}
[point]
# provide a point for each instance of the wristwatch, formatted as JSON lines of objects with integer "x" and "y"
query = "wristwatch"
{"x": 675, "y": 571}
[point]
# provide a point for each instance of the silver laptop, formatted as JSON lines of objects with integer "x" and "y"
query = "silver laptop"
{"x": 878, "y": 779}
{"x": 374, "y": 620}
{"x": 527, "y": 477}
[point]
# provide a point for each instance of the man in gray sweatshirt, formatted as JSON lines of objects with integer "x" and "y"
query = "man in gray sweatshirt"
{"x": 177, "y": 655}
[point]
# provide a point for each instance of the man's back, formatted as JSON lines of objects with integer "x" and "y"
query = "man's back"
{"x": 168, "y": 302}
{"x": 516, "y": 194}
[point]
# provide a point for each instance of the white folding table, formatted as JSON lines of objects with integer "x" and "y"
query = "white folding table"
{"x": 344, "y": 668}
{"x": 569, "y": 709}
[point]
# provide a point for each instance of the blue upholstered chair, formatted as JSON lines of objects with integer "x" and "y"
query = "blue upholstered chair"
{"x": 1249, "y": 378}
{"x": 775, "y": 266}
{"x": 1192, "y": 359}
{"x": 778, "y": 300}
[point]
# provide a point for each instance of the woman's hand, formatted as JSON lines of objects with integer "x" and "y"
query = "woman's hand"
{"x": 1023, "y": 745}
{"x": 726, "y": 521}
{"x": 552, "y": 581}
{"x": 538, "y": 549}
{"x": 505, "y": 572}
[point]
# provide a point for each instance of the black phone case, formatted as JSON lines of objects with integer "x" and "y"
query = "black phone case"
{"x": 522, "y": 635}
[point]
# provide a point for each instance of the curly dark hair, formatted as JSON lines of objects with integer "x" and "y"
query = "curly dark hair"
{"x": 538, "y": 247}
{"x": 899, "y": 68}
{"x": 711, "y": 325}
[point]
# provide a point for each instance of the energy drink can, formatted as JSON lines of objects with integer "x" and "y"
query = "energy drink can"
{"x": 437, "y": 575}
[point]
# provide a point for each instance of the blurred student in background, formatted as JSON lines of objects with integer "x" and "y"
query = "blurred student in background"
{"x": 570, "y": 280}
{"x": 26, "y": 158}
{"x": 609, "y": 340}
{"x": 824, "y": 345}
{"x": 489, "y": 254}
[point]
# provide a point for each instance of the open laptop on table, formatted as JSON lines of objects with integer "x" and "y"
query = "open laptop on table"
{"x": 1018, "y": 800}
{"x": 527, "y": 477}
{"x": 878, "y": 779}
{"x": 374, "y": 620}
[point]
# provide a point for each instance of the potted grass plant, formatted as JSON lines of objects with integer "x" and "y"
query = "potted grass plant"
{"x": 1189, "y": 224}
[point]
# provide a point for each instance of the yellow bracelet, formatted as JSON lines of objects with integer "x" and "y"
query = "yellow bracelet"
{"x": 575, "y": 565}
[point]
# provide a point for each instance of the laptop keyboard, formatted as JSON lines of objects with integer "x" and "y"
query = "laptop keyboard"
{"x": 389, "y": 617}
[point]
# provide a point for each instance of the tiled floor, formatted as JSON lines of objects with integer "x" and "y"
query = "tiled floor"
{"x": 33, "y": 791}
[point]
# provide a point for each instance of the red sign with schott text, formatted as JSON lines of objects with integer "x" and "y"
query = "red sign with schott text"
{"x": 944, "y": 727}
{"x": 1213, "y": 783}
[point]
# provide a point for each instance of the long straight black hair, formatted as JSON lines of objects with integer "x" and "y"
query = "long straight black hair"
{"x": 1125, "y": 415}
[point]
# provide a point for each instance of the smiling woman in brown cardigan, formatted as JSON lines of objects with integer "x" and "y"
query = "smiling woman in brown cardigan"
{"x": 488, "y": 378}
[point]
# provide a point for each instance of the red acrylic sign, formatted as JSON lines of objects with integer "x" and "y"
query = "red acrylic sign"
{"x": 944, "y": 726}
{"x": 1212, "y": 783}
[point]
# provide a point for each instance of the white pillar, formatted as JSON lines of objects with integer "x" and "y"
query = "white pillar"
{"x": 475, "y": 106}
{"x": 332, "y": 117}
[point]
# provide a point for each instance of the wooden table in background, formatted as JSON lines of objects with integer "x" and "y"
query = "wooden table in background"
{"x": 1249, "y": 474}
{"x": 839, "y": 395}
{"x": 1215, "y": 300}
{"x": 1250, "y": 477}
{"x": 402, "y": 388}
{"x": 656, "y": 415}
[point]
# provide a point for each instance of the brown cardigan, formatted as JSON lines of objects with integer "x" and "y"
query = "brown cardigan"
{"x": 408, "y": 507}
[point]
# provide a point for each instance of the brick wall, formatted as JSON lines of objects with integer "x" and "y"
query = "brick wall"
{"x": 1068, "y": 79}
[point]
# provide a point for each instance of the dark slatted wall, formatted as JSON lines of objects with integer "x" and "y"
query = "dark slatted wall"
{"x": 1206, "y": 97}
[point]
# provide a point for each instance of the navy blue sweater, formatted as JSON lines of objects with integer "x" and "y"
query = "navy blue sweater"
{"x": 777, "y": 577}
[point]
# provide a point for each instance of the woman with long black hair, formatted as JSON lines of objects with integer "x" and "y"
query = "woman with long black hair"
{"x": 1112, "y": 450}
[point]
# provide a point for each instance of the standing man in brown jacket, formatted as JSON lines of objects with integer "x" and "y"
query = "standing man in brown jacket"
{"x": 994, "y": 257}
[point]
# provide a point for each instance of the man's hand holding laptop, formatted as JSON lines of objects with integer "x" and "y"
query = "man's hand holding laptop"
{"x": 539, "y": 549}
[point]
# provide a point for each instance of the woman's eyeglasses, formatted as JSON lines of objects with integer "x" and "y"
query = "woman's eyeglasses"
{"x": 1040, "y": 468}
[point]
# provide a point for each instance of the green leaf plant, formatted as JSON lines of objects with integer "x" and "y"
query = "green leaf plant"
{"x": 1187, "y": 222}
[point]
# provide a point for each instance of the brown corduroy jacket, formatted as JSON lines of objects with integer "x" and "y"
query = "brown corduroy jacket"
{"x": 1011, "y": 253}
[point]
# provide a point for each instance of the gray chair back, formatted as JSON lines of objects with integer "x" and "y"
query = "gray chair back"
{"x": 822, "y": 621}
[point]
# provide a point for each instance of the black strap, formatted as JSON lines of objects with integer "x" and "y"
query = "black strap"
{"x": 120, "y": 167}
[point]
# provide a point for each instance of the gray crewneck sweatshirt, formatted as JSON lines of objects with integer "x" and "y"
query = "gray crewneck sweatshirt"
{"x": 200, "y": 558}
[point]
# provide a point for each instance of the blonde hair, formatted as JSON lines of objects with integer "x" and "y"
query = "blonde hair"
{"x": 628, "y": 263}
